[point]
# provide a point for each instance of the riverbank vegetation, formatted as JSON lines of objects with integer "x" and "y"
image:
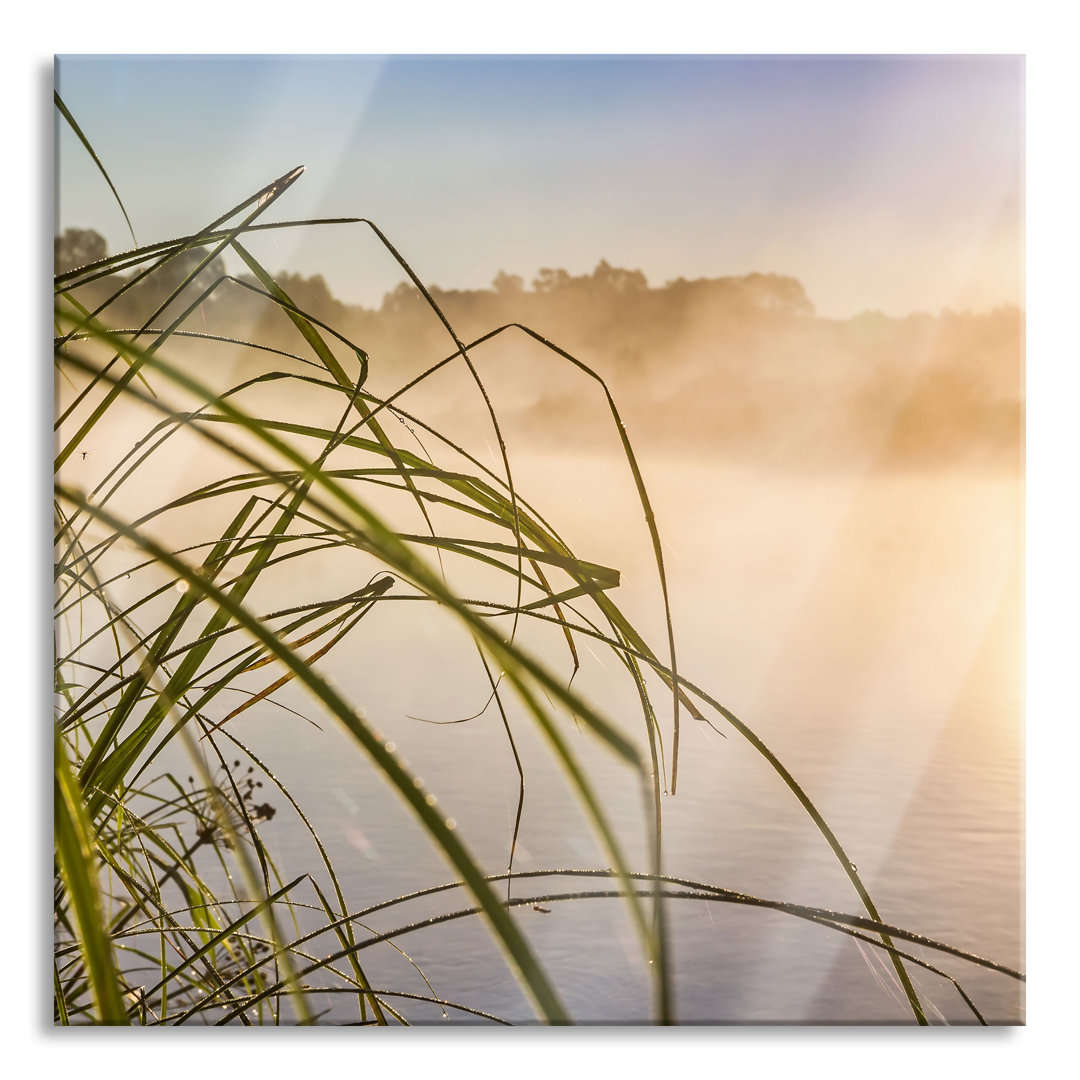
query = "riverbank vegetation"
{"x": 735, "y": 363}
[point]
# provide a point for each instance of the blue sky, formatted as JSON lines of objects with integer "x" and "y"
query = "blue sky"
{"x": 889, "y": 183}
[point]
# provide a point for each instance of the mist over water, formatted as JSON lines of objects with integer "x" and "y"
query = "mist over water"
{"x": 868, "y": 628}
{"x": 840, "y": 505}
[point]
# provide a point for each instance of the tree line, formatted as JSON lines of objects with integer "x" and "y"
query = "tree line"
{"x": 740, "y": 361}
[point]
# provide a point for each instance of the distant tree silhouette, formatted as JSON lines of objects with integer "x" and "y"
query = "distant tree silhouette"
{"x": 404, "y": 298}
{"x": 77, "y": 247}
{"x": 763, "y": 293}
{"x": 738, "y": 356}
{"x": 550, "y": 280}
{"x": 772, "y": 292}
{"x": 145, "y": 297}
{"x": 178, "y": 268}
{"x": 508, "y": 284}
{"x": 614, "y": 279}
{"x": 604, "y": 279}
{"x": 313, "y": 295}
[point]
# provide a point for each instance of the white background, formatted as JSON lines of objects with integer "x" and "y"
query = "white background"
{"x": 35, "y": 32}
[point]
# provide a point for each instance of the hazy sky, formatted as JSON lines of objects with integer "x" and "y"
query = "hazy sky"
{"x": 890, "y": 183}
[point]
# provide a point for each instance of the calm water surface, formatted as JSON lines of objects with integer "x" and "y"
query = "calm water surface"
{"x": 867, "y": 626}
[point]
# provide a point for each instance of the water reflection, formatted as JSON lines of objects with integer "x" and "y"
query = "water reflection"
{"x": 867, "y": 627}
{"x": 864, "y": 619}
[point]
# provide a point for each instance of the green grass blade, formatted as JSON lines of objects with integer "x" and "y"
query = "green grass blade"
{"x": 406, "y": 785}
{"x": 66, "y": 114}
{"x": 78, "y": 866}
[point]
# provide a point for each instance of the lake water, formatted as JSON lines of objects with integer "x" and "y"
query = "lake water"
{"x": 865, "y": 621}
{"x": 866, "y": 624}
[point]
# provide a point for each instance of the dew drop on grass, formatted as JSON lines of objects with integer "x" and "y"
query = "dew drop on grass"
{"x": 854, "y": 868}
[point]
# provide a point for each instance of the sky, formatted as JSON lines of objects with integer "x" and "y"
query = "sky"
{"x": 881, "y": 183}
